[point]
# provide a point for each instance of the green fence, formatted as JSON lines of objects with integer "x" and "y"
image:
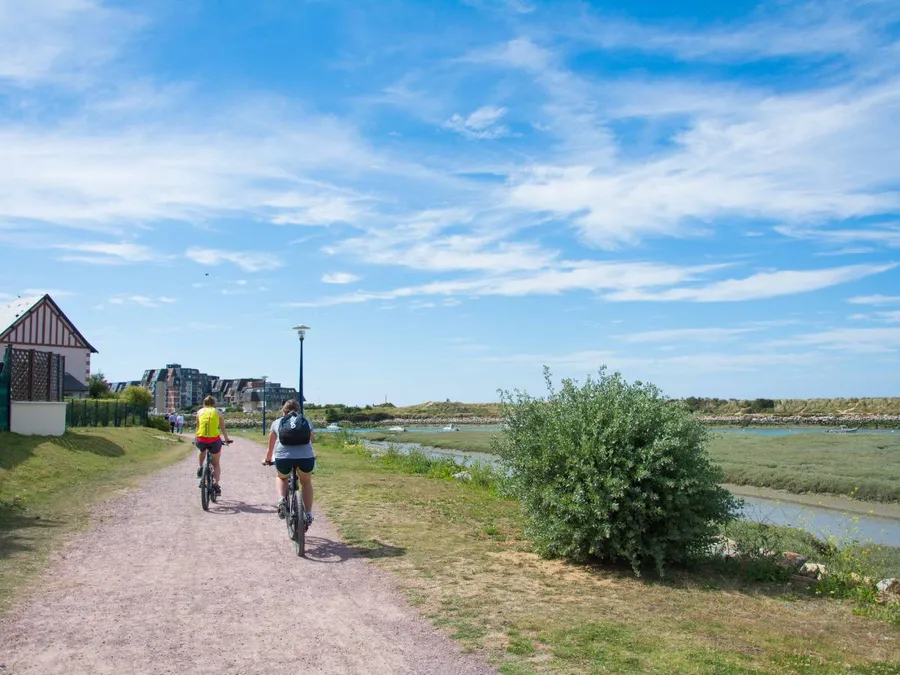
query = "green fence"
{"x": 4, "y": 389}
{"x": 104, "y": 413}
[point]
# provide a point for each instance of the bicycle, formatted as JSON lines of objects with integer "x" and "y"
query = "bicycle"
{"x": 295, "y": 516}
{"x": 207, "y": 483}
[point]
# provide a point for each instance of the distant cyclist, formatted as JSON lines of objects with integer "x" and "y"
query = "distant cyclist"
{"x": 291, "y": 444}
{"x": 209, "y": 426}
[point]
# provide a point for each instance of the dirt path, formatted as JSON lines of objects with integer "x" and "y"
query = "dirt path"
{"x": 158, "y": 586}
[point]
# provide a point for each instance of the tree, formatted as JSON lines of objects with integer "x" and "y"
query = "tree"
{"x": 138, "y": 396}
{"x": 98, "y": 387}
{"x": 610, "y": 471}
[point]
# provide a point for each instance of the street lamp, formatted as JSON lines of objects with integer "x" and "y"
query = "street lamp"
{"x": 264, "y": 378}
{"x": 301, "y": 333}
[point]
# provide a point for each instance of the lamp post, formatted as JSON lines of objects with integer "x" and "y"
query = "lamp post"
{"x": 301, "y": 333}
{"x": 264, "y": 378}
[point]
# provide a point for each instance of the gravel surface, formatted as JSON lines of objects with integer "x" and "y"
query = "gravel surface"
{"x": 159, "y": 586}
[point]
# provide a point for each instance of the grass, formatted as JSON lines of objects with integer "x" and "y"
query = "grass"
{"x": 866, "y": 467}
{"x": 48, "y": 485}
{"x": 467, "y": 566}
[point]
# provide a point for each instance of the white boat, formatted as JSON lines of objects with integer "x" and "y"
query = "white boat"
{"x": 397, "y": 429}
{"x": 450, "y": 427}
{"x": 332, "y": 427}
{"x": 844, "y": 429}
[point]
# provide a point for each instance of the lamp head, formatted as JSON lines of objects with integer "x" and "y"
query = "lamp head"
{"x": 301, "y": 331}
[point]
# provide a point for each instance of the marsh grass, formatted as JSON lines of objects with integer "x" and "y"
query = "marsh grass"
{"x": 48, "y": 485}
{"x": 469, "y": 568}
{"x": 863, "y": 466}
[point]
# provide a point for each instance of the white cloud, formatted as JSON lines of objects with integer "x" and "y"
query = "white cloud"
{"x": 140, "y": 300}
{"x": 250, "y": 262}
{"x": 110, "y": 253}
{"x": 853, "y": 340}
{"x": 563, "y": 277}
{"x": 757, "y": 286}
{"x": 482, "y": 124}
{"x": 713, "y": 335}
{"x": 339, "y": 278}
{"x": 876, "y": 299}
{"x": 60, "y": 40}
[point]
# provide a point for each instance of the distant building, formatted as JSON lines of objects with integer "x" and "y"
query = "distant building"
{"x": 251, "y": 397}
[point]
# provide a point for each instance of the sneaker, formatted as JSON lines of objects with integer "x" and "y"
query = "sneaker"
{"x": 218, "y": 489}
{"x": 282, "y": 508}
{"x": 199, "y": 471}
{"x": 309, "y": 519}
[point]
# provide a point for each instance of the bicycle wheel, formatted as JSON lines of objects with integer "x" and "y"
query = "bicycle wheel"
{"x": 300, "y": 525}
{"x": 289, "y": 516}
{"x": 204, "y": 488}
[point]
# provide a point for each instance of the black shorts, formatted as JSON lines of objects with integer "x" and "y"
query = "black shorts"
{"x": 213, "y": 447}
{"x": 284, "y": 466}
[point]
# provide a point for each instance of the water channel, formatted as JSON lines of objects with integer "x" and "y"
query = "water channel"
{"x": 820, "y": 520}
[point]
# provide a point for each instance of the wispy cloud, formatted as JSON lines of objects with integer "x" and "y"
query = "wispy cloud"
{"x": 483, "y": 124}
{"x": 714, "y": 335}
{"x": 758, "y": 286}
{"x": 140, "y": 300}
{"x": 60, "y": 40}
{"x": 250, "y": 262}
{"x": 876, "y": 299}
{"x": 109, "y": 253}
{"x": 339, "y": 278}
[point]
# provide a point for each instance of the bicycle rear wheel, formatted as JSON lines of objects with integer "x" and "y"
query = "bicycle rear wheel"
{"x": 205, "y": 482}
{"x": 300, "y": 525}
{"x": 290, "y": 515}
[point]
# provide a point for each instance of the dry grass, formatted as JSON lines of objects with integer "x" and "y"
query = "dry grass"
{"x": 468, "y": 568}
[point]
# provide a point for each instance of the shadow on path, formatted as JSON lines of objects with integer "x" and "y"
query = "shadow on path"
{"x": 327, "y": 551}
{"x": 233, "y": 506}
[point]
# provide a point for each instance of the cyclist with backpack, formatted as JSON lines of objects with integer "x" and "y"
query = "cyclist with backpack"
{"x": 208, "y": 439}
{"x": 291, "y": 444}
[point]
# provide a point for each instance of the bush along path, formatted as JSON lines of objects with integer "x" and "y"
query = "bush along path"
{"x": 160, "y": 586}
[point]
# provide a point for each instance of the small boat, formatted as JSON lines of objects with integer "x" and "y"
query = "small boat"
{"x": 397, "y": 429}
{"x": 844, "y": 429}
{"x": 333, "y": 427}
{"x": 450, "y": 427}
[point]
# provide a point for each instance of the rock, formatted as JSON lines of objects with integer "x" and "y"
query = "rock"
{"x": 889, "y": 586}
{"x": 812, "y": 570}
{"x": 723, "y": 547}
{"x": 802, "y": 580}
{"x": 791, "y": 561}
{"x": 463, "y": 476}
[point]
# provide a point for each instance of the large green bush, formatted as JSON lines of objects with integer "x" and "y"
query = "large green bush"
{"x": 611, "y": 471}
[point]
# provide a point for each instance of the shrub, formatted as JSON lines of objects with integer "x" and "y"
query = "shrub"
{"x": 610, "y": 471}
{"x": 138, "y": 396}
{"x": 157, "y": 422}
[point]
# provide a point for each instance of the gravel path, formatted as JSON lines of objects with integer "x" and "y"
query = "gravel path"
{"x": 159, "y": 586}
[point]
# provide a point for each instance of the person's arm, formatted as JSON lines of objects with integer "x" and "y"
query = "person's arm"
{"x": 222, "y": 427}
{"x": 272, "y": 438}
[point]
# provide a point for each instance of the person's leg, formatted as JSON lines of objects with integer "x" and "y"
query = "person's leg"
{"x": 201, "y": 457}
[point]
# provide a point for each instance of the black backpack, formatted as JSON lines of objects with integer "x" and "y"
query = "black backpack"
{"x": 294, "y": 430}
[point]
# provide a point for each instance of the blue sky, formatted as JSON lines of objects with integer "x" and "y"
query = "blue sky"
{"x": 452, "y": 194}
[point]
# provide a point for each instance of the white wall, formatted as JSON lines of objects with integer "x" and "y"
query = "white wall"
{"x": 37, "y": 418}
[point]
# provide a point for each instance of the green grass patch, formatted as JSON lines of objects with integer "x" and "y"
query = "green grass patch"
{"x": 863, "y": 466}
{"x": 462, "y": 556}
{"x": 48, "y": 484}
